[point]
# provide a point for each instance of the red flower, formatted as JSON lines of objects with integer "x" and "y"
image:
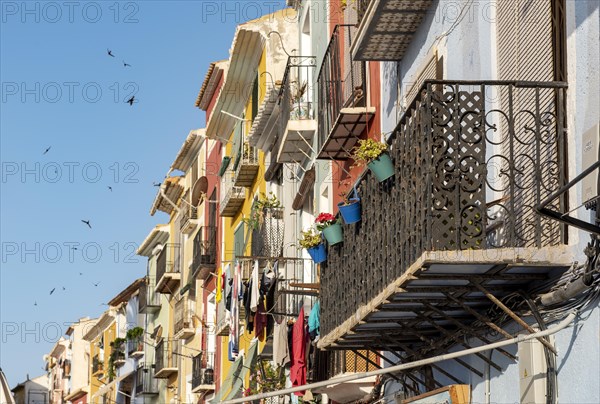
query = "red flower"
{"x": 324, "y": 218}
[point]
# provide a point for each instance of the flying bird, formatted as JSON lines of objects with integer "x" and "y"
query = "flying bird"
{"x": 87, "y": 222}
{"x": 64, "y": 288}
{"x": 110, "y": 188}
{"x": 81, "y": 273}
{"x": 52, "y": 291}
{"x": 126, "y": 64}
{"x": 131, "y": 100}
{"x": 157, "y": 184}
{"x": 110, "y": 53}
{"x": 35, "y": 303}
{"x": 47, "y": 150}
{"x": 74, "y": 248}
{"x": 96, "y": 284}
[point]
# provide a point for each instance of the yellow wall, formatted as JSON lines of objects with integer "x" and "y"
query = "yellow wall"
{"x": 231, "y": 223}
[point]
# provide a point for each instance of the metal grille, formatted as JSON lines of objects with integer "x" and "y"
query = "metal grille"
{"x": 341, "y": 81}
{"x": 267, "y": 238}
{"x": 168, "y": 260}
{"x": 461, "y": 183}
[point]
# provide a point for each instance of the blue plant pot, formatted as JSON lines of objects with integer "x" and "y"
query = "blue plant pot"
{"x": 350, "y": 213}
{"x": 333, "y": 234}
{"x": 318, "y": 253}
{"x": 382, "y": 167}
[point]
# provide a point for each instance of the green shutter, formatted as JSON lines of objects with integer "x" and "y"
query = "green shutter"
{"x": 224, "y": 165}
{"x": 255, "y": 99}
{"x": 239, "y": 240}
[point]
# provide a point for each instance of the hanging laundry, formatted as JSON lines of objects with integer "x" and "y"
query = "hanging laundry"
{"x": 260, "y": 319}
{"x": 281, "y": 352}
{"x": 254, "y": 285}
{"x": 268, "y": 286}
{"x": 219, "y": 288}
{"x": 299, "y": 338}
{"x": 246, "y": 302}
{"x": 234, "y": 323}
{"x": 314, "y": 321}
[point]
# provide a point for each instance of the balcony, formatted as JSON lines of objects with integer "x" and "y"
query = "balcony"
{"x": 205, "y": 251}
{"x": 343, "y": 109}
{"x": 189, "y": 218}
{"x": 166, "y": 359}
{"x": 97, "y": 366}
{"x": 146, "y": 384}
{"x": 184, "y": 325}
{"x": 246, "y": 168}
{"x": 455, "y": 229}
{"x": 267, "y": 237}
{"x": 386, "y": 28}
{"x": 203, "y": 372}
{"x": 118, "y": 355}
{"x": 232, "y": 197}
{"x": 298, "y": 284}
{"x": 168, "y": 269}
{"x": 297, "y": 109}
{"x": 148, "y": 299}
{"x": 135, "y": 347}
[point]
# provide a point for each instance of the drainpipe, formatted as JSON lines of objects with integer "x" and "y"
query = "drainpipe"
{"x": 164, "y": 195}
{"x": 405, "y": 366}
{"x": 487, "y": 376}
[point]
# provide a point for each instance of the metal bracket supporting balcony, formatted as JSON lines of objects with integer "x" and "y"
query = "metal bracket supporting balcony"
{"x": 350, "y": 123}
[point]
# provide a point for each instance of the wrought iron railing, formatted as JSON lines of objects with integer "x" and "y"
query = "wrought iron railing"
{"x": 267, "y": 235}
{"x": 135, "y": 345}
{"x": 188, "y": 213}
{"x": 341, "y": 82}
{"x": 97, "y": 364}
{"x": 183, "y": 315}
{"x": 295, "y": 276}
{"x": 203, "y": 369}
{"x": 296, "y": 92}
{"x": 472, "y": 160}
{"x": 148, "y": 298}
{"x": 205, "y": 247}
{"x": 145, "y": 381}
{"x": 229, "y": 191}
{"x": 168, "y": 261}
{"x": 166, "y": 356}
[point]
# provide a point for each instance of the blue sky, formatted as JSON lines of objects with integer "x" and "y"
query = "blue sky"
{"x": 60, "y": 89}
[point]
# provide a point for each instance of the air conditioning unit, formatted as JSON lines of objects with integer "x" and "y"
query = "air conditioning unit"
{"x": 590, "y": 155}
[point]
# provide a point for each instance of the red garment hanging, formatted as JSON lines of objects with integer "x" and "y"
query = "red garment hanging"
{"x": 298, "y": 368}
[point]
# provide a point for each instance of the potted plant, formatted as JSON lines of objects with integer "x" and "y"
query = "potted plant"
{"x": 373, "y": 154}
{"x": 350, "y": 206}
{"x": 299, "y": 109}
{"x": 313, "y": 242}
{"x": 331, "y": 228}
{"x": 136, "y": 334}
{"x": 264, "y": 206}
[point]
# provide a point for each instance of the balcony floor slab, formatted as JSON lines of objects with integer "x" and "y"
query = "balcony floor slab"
{"x": 439, "y": 292}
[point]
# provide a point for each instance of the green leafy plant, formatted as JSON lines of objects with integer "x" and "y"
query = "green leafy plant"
{"x": 368, "y": 150}
{"x": 134, "y": 333}
{"x": 118, "y": 352}
{"x": 260, "y": 207}
{"x": 310, "y": 238}
{"x": 297, "y": 92}
{"x": 265, "y": 378}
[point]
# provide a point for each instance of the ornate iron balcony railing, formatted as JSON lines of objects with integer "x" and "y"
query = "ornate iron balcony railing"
{"x": 472, "y": 160}
{"x": 203, "y": 369}
{"x": 267, "y": 236}
{"x": 168, "y": 261}
{"x": 148, "y": 299}
{"x": 205, "y": 247}
{"x": 341, "y": 82}
{"x": 145, "y": 381}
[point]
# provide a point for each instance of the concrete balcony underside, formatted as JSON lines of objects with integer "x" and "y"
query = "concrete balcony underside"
{"x": 387, "y": 29}
{"x": 168, "y": 283}
{"x": 441, "y": 296}
{"x": 165, "y": 373}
